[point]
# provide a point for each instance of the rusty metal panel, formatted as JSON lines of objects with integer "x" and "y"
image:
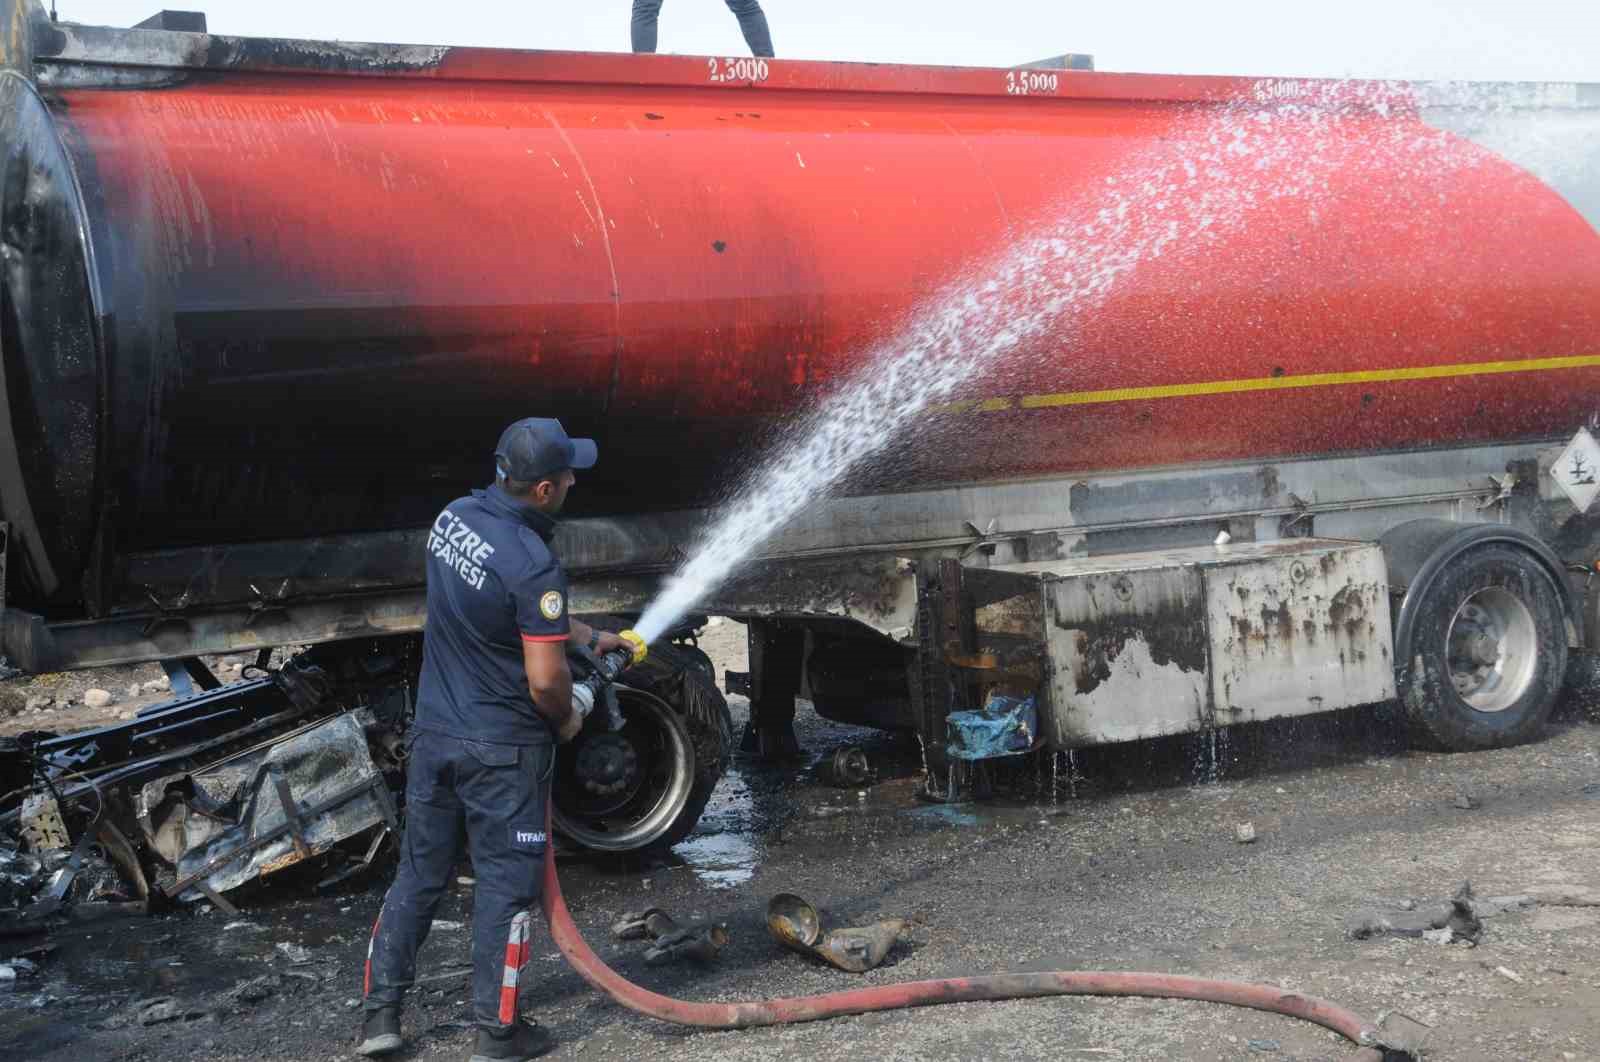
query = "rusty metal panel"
{"x": 1128, "y": 650}
{"x": 1167, "y": 641}
{"x": 1299, "y": 631}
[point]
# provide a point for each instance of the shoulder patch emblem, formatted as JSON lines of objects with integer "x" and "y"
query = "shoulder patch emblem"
{"x": 551, "y": 605}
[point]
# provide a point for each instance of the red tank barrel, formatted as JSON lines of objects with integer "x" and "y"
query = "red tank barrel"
{"x": 275, "y": 290}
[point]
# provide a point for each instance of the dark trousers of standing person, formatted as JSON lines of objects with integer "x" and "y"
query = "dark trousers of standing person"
{"x": 494, "y": 797}
{"x": 752, "y": 22}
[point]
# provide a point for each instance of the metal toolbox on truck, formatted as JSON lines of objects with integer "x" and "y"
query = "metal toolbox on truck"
{"x": 1138, "y": 645}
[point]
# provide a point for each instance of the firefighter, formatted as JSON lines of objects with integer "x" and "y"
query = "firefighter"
{"x": 752, "y": 22}
{"x": 494, "y": 698}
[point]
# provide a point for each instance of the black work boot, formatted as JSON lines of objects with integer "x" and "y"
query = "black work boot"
{"x": 512, "y": 1043}
{"x": 380, "y": 1032}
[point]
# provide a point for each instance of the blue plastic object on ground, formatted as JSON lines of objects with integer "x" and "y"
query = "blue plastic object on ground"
{"x": 1004, "y": 726}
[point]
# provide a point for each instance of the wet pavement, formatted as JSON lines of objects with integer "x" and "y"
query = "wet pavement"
{"x": 724, "y": 851}
{"x": 1120, "y": 859}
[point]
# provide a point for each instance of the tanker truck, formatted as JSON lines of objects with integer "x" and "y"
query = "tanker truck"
{"x": 266, "y": 305}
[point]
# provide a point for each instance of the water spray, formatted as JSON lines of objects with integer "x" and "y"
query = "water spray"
{"x": 1025, "y": 301}
{"x": 1177, "y": 202}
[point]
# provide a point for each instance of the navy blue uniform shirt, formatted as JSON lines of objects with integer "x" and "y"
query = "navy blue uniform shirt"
{"x": 492, "y": 585}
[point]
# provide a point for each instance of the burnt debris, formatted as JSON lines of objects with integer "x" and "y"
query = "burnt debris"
{"x": 208, "y": 792}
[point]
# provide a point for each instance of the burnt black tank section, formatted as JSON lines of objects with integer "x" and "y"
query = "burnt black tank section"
{"x": 149, "y": 410}
{"x": 55, "y": 361}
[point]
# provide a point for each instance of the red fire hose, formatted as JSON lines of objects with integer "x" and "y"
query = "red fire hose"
{"x": 927, "y": 993}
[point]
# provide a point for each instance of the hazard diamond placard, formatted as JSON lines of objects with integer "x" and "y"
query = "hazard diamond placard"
{"x": 1577, "y": 470}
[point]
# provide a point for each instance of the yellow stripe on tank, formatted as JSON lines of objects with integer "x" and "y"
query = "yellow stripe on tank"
{"x": 1268, "y": 383}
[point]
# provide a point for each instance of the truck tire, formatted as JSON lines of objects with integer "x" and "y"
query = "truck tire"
{"x": 674, "y": 750}
{"x": 696, "y": 657}
{"x": 684, "y": 678}
{"x": 1488, "y": 651}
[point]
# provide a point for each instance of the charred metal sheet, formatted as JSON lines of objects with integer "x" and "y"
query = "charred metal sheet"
{"x": 68, "y": 42}
{"x": 265, "y": 809}
{"x": 158, "y": 741}
{"x": 67, "y": 45}
{"x": 1129, "y": 655}
{"x": 1169, "y": 641}
{"x": 217, "y": 788}
{"x": 22, "y": 875}
{"x": 930, "y": 678}
{"x": 50, "y": 393}
{"x": 323, "y": 589}
{"x": 1445, "y": 482}
{"x": 1298, "y": 632}
{"x": 175, "y": 21}
{"x": 1007, "y": 614}
{"x": 34, "y": 645}
{"x": 1022, "y": 614}
{"x": 41, "y": 824}
{"x": 163, "y": 728}
{"x": 266, "y": 574}
{"x": 309, "y": 591}
{"x": 876, "y": 590}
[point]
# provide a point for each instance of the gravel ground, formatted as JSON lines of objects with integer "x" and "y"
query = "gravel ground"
{"x": 57, "y": 702}
{"x": 1142, "y": 869}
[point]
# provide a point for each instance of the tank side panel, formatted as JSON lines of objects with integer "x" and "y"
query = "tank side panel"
{"x": 1306, "y": 331}
{"x": 347, "y": 286}
{"x": 311, "y": 272}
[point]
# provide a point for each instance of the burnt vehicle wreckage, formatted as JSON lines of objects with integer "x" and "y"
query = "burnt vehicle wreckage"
{"x": 231, "y": 408}
{"x": 303, "y": 766}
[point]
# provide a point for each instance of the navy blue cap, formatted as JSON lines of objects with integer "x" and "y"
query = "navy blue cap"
{"x": 538, "y": 447}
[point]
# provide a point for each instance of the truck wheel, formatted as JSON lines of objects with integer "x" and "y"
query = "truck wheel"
{"x": 645, "y": 787}
{"x": 697, "y": 658}
{"x": 1489, "y": 652}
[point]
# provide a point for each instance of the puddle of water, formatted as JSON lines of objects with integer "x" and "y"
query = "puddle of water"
{"x": 722, "y": 852}
{"x": 946, "y": 814}
{"x": 720, "y": 860}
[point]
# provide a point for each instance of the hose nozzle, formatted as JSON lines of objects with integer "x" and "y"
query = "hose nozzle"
{"x": 636, "y": 645}
{"x": 615, "y": 662}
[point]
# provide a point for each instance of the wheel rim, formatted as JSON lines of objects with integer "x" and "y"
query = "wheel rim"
{"x": 619, "y": 792}
{"x": 1493, "y": 647}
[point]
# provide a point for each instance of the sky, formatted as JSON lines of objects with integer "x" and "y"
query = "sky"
{"x": 1511, "y": 40}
